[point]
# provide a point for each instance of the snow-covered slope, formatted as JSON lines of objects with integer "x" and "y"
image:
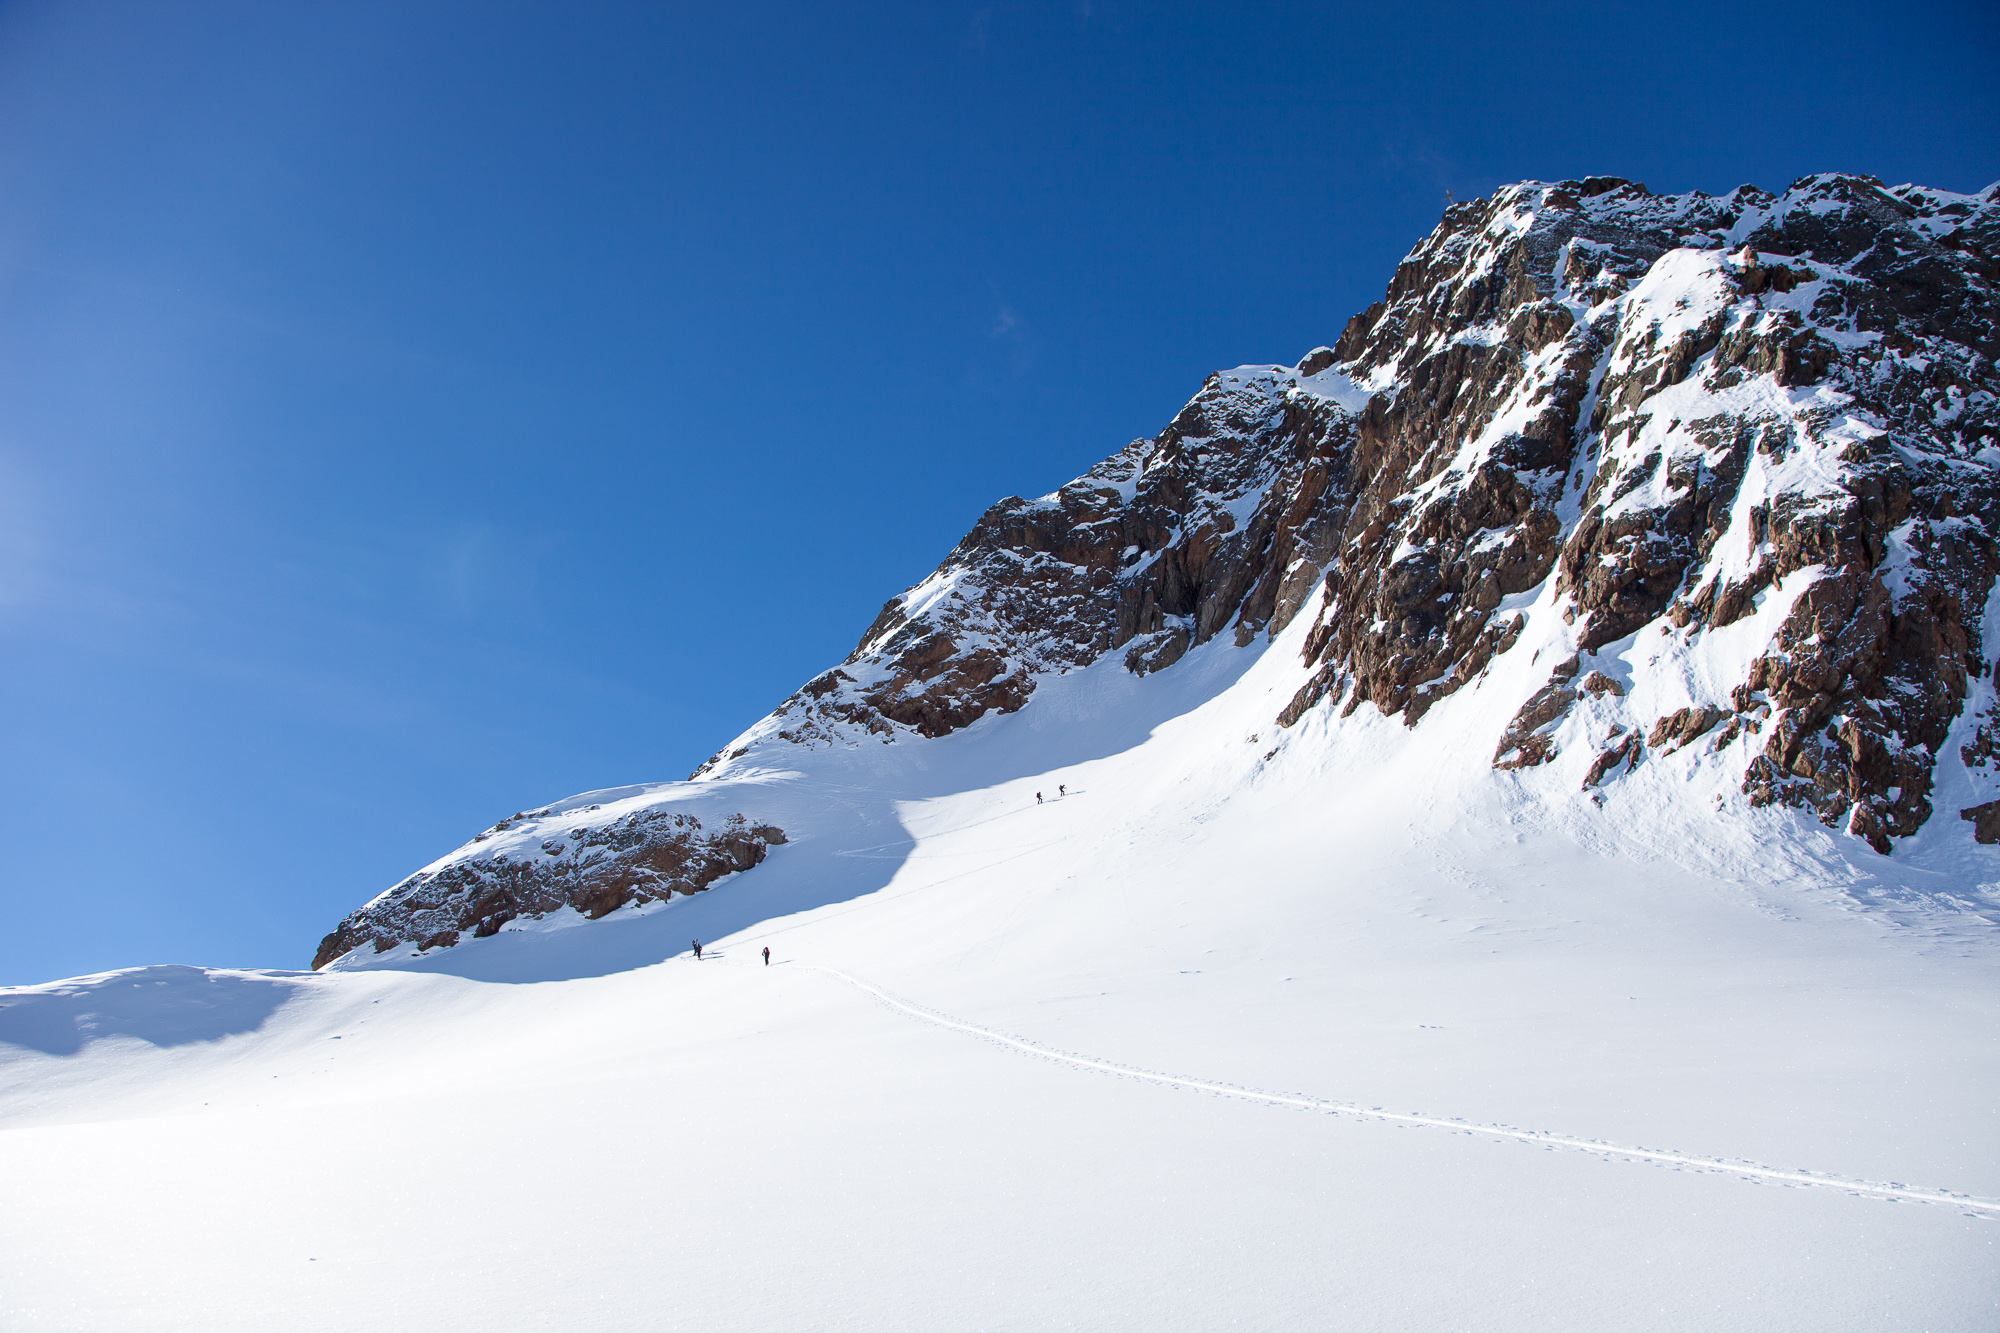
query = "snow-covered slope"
{"x": 1166, "y": 934}
{"x": 580, "y": 1128}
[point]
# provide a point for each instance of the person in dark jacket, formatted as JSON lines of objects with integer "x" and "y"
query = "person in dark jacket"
{"x": 767, "y": 955}
{"x": 697, "y": 951}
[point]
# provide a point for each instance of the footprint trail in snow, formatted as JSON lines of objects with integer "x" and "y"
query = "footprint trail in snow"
{"x": 1891, "y": 1191}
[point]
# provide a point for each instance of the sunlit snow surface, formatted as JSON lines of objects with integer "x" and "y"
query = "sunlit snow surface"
{"x": 577, "y": 1127}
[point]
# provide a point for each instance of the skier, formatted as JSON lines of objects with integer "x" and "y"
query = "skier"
{"x": 1062, "y": 789}
{"x": 1038, "y": 798}
{"x": 767, "y": 955}
{"x": 697, "y": 951}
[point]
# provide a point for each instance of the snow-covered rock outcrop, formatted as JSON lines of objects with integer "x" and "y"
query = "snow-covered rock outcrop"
{"x": 1670, "y": 406}
{"x": 1224, "y": 519}
{"x": 590, "y": 855}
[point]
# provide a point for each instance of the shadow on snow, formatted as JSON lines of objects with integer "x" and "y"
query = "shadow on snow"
{"x": 169, "y": 1005}
{"x": 846, "y": 808}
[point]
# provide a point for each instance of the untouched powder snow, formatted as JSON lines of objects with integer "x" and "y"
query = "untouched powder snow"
{"x": 1334, "y": 1027}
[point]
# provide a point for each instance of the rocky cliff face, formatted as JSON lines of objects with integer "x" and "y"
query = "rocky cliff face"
{"x": 590, "y": 858}
{"x": 1671, "y": 415}
{"x": 1669, "y": 405}
{"x": 1223, "y": 521}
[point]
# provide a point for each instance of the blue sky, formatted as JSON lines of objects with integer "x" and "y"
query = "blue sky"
{"x": 414, "y": 412}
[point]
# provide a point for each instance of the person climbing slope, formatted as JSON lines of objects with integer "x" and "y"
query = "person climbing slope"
{"x": 697, "y": 951}
{"x": 767, "y": 955}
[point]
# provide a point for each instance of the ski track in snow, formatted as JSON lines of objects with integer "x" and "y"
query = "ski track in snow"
{"x": 1890, "y": 1191}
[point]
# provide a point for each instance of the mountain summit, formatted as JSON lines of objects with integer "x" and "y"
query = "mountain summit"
{"x": 1721, "y": 469}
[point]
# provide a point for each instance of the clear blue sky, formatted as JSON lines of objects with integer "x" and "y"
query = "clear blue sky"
{"x": 413, "y": 412}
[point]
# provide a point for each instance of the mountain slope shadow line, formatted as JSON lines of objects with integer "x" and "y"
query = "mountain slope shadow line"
{"x": 166, "y": 1005}
{"x": 850, "y": 839}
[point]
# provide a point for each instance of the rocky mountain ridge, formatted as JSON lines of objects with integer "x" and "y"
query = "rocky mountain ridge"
{"x": 1728, "y": 465}
{"x": 1668, "y": 405}
{"x": 587, "y": 856}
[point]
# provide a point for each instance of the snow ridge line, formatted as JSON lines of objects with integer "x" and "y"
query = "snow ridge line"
{"x": 1891, "y": 1191}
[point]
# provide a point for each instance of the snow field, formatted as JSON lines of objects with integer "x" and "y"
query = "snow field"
{"x": 815, "y": 1160}
{"x": 580, "y": 1128}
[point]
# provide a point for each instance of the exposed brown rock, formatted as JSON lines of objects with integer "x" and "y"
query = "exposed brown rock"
{"x": 1147, "y": 550}
{"x": 594, "y": 868}
{"x": 1985, "y": 820}
{"x": 1863, "y": 684}
{"x": 1527, "y": 741}
{"x": 1627, "y": 748}
{"x": 1683, "y": 726}
{"x": 1599, "y": 683}
{"x": 1157, "y": 651}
